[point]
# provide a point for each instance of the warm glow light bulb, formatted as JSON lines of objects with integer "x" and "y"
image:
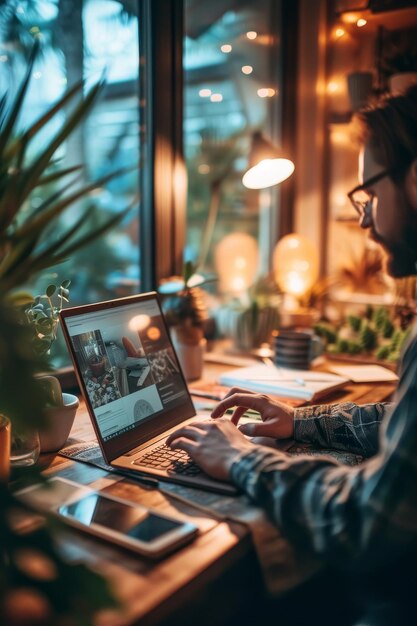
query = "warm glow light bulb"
{"x": 251, "y": 34}
{"x": 339, "y": 32}
{"x": 236, "y": 259}
{"x": 204, "y": 93}
{"x": 247, "y": 69}
{"x": 361, "y": 22}
{"x": 296, "y": 264}
{"x": 226, "y": 48}
{"x": 267, "y": 173}
{"x": 216, "y": 97}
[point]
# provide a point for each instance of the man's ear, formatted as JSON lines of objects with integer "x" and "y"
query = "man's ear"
{"x": 411, "y": 183}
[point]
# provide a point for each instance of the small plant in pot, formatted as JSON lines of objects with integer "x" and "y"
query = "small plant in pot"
{"x": 186, "y": 313}
{"x": 41, "y": 315}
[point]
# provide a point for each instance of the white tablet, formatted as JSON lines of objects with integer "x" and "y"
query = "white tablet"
{"x": 124, "y": 523}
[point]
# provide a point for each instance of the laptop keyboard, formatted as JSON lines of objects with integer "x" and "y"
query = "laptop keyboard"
{"x": 173, "y": 461}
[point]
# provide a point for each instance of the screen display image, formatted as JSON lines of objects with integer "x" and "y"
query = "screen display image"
{"x": 123, "y": 518}
{"x": 127, "y": 364}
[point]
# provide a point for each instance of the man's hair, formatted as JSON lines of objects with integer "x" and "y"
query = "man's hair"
{"x": 389, "y": 127}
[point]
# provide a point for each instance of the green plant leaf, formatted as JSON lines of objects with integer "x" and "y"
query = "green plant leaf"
{"x": 40, "y": 221}
{"x": 51, "y": 178}
{"x": 15, "y": 110}
{"x": 33, "y": 173}
{"x": 50, "y": 290}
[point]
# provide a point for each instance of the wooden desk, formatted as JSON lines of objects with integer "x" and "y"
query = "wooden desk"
{"x": 206, "y": 582}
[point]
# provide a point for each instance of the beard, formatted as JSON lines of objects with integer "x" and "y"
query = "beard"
{"x": 400, "y": 258}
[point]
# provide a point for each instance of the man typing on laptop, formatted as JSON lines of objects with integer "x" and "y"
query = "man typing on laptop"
{"x": 362, "y": 518}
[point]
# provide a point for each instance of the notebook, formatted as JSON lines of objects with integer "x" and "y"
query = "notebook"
{"x": 280, "y": 381}
{"x": 133, "y": 387}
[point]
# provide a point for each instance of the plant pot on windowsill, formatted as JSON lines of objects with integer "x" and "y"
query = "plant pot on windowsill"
{"x": 190, "y": 346}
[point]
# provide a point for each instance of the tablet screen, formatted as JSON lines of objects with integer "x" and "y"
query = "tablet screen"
{"x": 132, "y": 521}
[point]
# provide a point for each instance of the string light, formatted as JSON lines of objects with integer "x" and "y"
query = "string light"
{"x": 204, "y": 93}
{"x": 339, "y": 32}
{"x": 266, "y": 92}
{"x": 361, "y": 22}
{"x": 216, "y": 97}
{"x": 247, "y": 69}
{"x": 226, "y": 48}
{"x": 251, "y": 34}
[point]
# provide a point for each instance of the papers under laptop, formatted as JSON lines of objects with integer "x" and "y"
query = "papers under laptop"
{"x": 133, "y": 387}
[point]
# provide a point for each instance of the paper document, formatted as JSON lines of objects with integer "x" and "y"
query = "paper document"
{"x": 365, "y": 373}
{"x": 303, "y": 384}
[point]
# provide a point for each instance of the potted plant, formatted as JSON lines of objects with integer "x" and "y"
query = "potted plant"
{"x": 26, "y": 248}
{"x": 250, "y": 319}
{"x": 27, "y": 163}
{"x": 186, "y": 313}
{"x": 41, "y": 315}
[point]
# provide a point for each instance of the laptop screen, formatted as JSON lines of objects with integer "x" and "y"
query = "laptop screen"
{"x": 128, "y": 370}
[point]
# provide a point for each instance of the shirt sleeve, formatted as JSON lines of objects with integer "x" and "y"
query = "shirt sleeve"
{"x": 346, "y": 426}
{"x": 361, "y": 516}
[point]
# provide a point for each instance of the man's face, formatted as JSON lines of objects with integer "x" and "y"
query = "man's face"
{"x": 393, "y": 218}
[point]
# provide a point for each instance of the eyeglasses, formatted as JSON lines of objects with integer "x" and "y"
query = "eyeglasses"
{"x": 361, "y": 198}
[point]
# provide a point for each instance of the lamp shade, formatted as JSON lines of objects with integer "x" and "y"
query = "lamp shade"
{"x": 296, "y": 264}
{"x": 236, "y": 258}
{"x": 267, "y": 166}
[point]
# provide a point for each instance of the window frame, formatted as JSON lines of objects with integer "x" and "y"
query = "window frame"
{"x": 163, "y": 204}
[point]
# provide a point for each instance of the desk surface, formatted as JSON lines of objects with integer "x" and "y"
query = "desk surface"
{"x": 178, "y": 587}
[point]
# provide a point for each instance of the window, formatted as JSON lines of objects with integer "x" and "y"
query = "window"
{"x": 82, "y": 40}
{"x": 233, "y": 87}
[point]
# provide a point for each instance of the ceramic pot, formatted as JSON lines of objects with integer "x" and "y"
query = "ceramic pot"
{"x": 60, "y": 421}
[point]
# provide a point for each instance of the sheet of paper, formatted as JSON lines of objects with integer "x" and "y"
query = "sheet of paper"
{"x": 364, "y": 373}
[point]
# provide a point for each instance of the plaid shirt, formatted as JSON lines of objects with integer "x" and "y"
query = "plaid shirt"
{"x": 365, "y": 515}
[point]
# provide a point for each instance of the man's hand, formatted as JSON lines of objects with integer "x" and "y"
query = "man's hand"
{"x": 213, "y": 445}
{"x": 277, "y": 417}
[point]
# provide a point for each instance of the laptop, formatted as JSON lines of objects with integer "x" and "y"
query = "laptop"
{"x": 133, "y": 387}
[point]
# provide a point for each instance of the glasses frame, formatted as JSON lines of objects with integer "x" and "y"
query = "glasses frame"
{"x": 361, "y": 210}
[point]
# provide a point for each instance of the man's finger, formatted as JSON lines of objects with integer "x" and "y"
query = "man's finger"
{"x": 260, "y": 429}
{"x": 239, "y": 390}
{"x": 185, "y": 444}
{"x": 241, "y": 410}
{"x": 246, "y": 400}
{"x": 190, "y": 432}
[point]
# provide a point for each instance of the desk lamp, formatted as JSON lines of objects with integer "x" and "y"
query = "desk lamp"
{"x": 267, "y": 166}
{"x": 296, "y": 268}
